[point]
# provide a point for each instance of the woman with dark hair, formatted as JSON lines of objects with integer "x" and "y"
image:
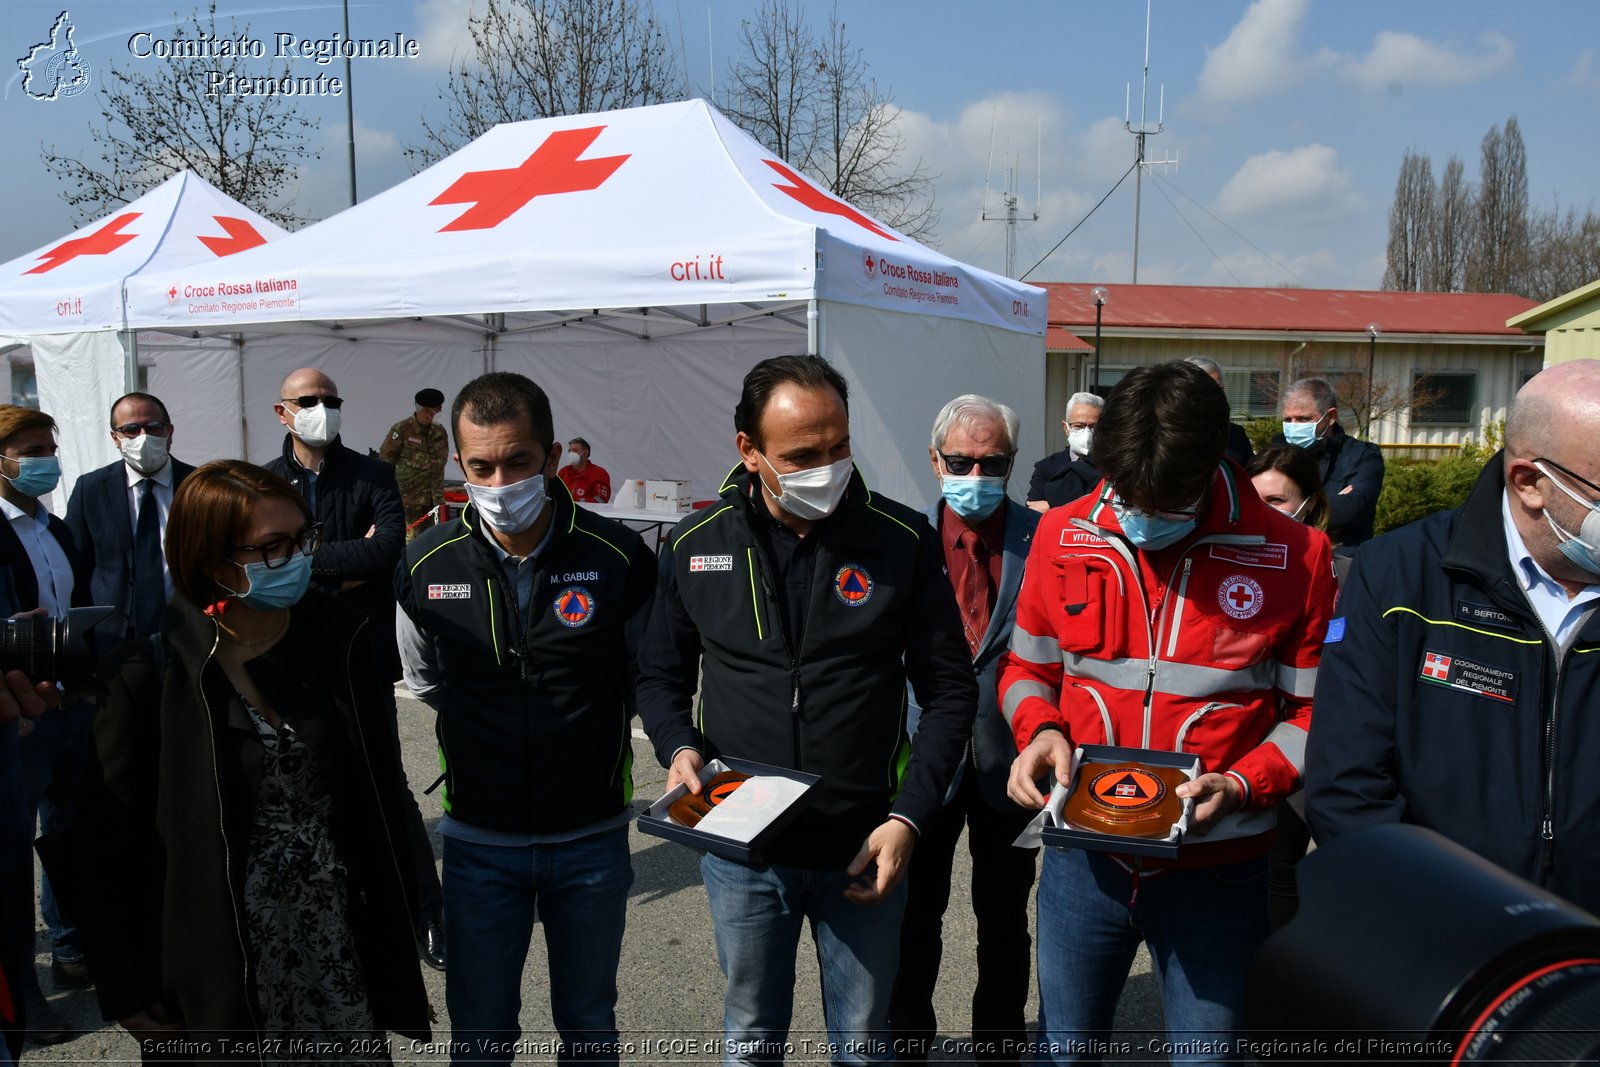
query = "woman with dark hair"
{"x": 1286, "y": 478}
{"x": 238, "y": 865}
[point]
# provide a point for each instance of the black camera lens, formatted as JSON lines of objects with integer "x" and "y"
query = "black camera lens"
{"x": 52, "y": 650}
{"x": 1408, "y": 947}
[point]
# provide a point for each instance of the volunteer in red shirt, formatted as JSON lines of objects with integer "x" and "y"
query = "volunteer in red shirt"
{"x": 1171, "y": 610}
{"x": 588, "y": 483}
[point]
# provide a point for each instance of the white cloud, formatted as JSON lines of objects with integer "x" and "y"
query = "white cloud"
{"x": 324, "y": 185}
{"x": 1307, "y": 182}
{"x": 1259, "y": 57}
{"x": 1584, "y": 73}
{"x": 1399, "y": 59}
{"x": 442, "y": 30}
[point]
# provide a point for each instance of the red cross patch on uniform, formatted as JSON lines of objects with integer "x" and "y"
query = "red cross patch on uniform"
{"x": 1239, "y": 596}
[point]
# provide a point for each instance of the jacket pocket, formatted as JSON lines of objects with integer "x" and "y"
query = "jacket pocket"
{"x": 1088, "y": 615}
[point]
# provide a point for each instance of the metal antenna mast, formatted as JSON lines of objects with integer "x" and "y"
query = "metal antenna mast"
{"x": 1010, "y": 216}
{"x": 1139, "y": 162}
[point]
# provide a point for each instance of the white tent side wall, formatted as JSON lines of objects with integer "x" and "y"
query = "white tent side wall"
{"x": 79, "y": 375}
{"x": 902, "y": 368}
{"x": 651, "y": 409}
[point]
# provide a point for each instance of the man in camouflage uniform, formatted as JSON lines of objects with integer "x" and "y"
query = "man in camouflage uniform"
{"x": 418, "y": 448}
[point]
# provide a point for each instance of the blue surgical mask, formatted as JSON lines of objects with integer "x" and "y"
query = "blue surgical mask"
{"x": 1151, "y": 532}
{"x": 974, "y": 496}
{"x": 276, "y": 587}
{"x": 36, "y": 475}
{"x": 1301, "y": 434}
{"x": 1581, "y": 548}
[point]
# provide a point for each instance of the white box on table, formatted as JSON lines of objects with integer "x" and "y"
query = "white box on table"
{"x": 666, "y": 495}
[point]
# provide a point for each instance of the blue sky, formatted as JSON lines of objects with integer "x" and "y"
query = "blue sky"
{"x": 1289, "y": 117}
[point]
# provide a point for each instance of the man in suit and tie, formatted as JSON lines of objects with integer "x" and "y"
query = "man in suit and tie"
{"x": 118, "y": 519}
{"x": 985, "y": 537}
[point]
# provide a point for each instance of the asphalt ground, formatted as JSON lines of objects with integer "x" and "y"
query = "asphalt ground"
{"x": 669, "y": 1006}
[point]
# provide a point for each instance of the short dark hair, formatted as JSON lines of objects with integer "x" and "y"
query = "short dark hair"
{"x": 807, "y": 372}
{"x": 1162, "y": 435}
{"x": 147, "y": 397}
{"x": 503, "y": 396}
{"x": 1297, "y": 465}
{"x": 581, "y": 441}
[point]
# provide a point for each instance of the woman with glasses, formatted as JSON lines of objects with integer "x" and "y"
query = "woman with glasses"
{"x": 238, "y": 865}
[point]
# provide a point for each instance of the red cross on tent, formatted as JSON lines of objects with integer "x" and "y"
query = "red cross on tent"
{"x": 817, "y": 200}
{"x": 240, "y": 236}
{"x": 554, "y": 167}
{"x": 107, "y": 238}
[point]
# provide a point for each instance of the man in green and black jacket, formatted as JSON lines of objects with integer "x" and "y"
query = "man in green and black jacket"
{"x": 518, "y": 628}
{"x": 809, "y": 602}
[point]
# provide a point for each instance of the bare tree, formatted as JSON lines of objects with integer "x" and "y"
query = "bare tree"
{"x": 1451, "y": 239}
{"x": 811, "y": 99}
{"x": 1564, "y": 253}
{"x": 1411, "y": 224}
{"x": 537, "y": 58}
{"x": 1500, "y": 245}
{"x": 157, "y": 122}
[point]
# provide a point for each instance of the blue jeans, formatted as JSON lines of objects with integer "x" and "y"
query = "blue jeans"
{"x": 1202, "y": 926}
{"x": 757, "y": 913}
{"x": 579, "y": 890}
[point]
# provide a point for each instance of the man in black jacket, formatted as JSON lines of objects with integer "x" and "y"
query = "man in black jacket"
{"x": 1064, "y": 476}
{"x": 1352, "y": 470}
{"x": 516, "y": 630}
{"x": 356, "y": 501}
{"x": 809, "y": 601}
{"x": 1460, "y": 678}
{"x": 43, "y": 572}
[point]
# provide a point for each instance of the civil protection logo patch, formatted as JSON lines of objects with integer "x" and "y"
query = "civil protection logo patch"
{"x": 1126, "y": 789}
{"x": 852, "y": 585}
{"x": 574, "y": 606}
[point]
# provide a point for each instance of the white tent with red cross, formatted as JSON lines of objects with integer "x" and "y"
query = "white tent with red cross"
{"x": 636, "y": 264}
{"x": 63, "y": 307}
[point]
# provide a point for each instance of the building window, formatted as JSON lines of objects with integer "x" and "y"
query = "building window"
{"x": 1252, "y": 394}
{"x": 1443, "y": 399}
{"x": 24, "y": 386}
{"x": 1109, "y": 377}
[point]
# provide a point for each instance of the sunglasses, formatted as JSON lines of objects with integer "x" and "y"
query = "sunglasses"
{"x": 334, "y": 402}
{"x": 997, "y": 466}
{"x": 134, "y": 429}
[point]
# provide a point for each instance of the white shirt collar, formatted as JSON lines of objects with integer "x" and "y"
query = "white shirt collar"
{"x": 160, "y": 477}
{"x": 41, "y": 514}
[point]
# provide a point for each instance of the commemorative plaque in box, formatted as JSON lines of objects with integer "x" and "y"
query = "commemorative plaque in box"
{"x": 740, "y": 806}
{"x": 1122, "y": 800}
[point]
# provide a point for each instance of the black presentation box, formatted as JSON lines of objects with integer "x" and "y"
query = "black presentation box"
{"x": 1060, "y": 836}
{"x": 655, "y": 822}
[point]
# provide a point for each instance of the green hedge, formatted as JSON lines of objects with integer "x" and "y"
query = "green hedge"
{"x": 1415, "y": 489}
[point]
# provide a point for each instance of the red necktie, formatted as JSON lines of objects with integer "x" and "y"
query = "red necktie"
{"x": 974, "y": 591}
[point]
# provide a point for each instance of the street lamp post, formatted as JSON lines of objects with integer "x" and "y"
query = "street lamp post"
{"x": 1100, "y": 294}
{"x": 1373, "y": 330}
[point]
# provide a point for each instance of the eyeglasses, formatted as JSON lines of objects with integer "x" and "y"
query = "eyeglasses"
{"x": 334, "y": 402}
{"x": 278, "y": 551}
{"x": 1175, "y": 514}
{"x": 1081, "y": 425}
{"x": 1569, "y": 474}
{"x": 134, "y": 429}
{"x": 996, "y": 466}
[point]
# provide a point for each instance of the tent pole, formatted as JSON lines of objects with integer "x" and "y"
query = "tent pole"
{"x": 814, "y": 337}
{"x": 244, "y": 412}
{"x": 130, "y": 361}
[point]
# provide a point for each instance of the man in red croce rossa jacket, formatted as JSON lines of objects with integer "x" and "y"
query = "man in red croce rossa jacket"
{"x": 1170, "y": 610}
